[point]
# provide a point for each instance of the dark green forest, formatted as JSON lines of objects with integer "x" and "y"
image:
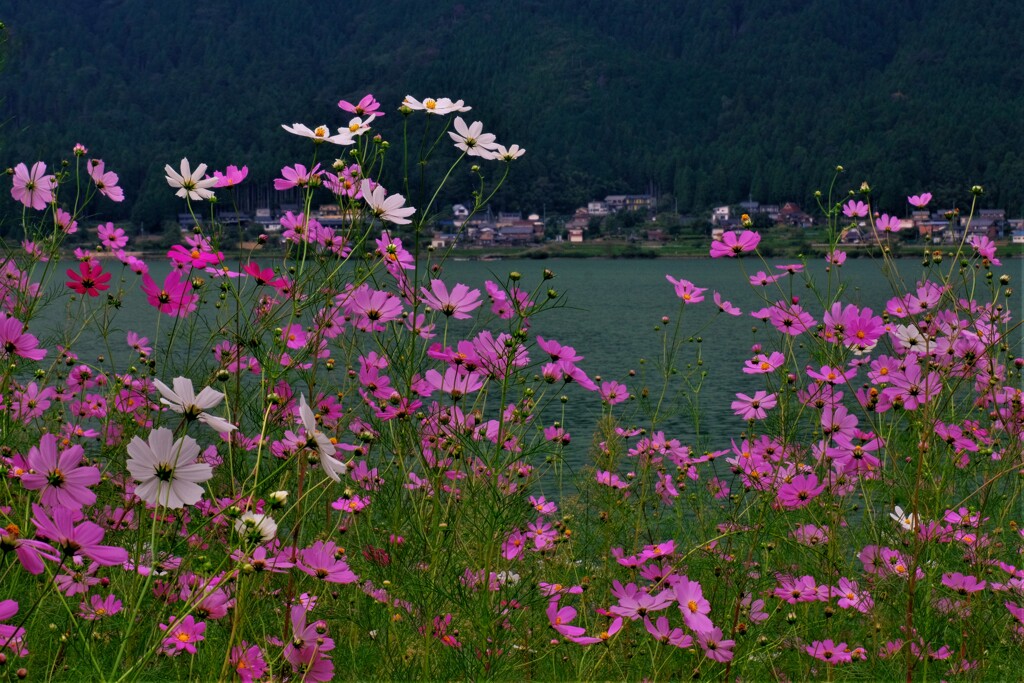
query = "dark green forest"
{"x": 703, "y": 102}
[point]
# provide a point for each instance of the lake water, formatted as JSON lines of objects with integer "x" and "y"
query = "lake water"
{"x": 611, "y": 310}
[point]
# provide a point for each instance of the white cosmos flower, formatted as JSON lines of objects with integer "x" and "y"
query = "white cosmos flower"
{"x": 182, "y": 399}
{"x": 907, "y": 521}
{"x": 321, "y": 134}
{"x": 256, "y": 526}
{"x": 911, "y": 338}
{"x": 334, "y": 468}
{"x": 190, "y": 183}
{"x": 391, "y": 209}
{"x": 440, "y": 106}
{"x": 513, "y": 152}
{"x": 472, "y": 139}
{"x": 166, "y": 469}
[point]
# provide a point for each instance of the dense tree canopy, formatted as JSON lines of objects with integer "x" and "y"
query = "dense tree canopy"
{"x": 705, "y": 100}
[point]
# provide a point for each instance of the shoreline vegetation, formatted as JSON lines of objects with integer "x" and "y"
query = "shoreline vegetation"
{"x": 618, "y": 249}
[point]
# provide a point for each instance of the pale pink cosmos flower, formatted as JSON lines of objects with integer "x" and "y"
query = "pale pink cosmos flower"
{"x": 920, "y": 200}
{"x": 472, "y": 140}
{"x": 166, "y": 470}
{"x": 508, "y": 153}
{"x": 316, "y": 439}
{"x": 440, "y": 106}
{"x": 687, "y": 291}
{"x": 321, "y": 134}
{"x": 754, "y": 407}
{"x": 33, "y": 188}
{"x": 106, "y": 181}
{"x": 391, "y": 209}
{"x": 182, "y": 399}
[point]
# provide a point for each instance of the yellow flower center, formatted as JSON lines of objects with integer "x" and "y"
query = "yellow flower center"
{"x": 430, "y": 103}
{"x": 320, "y": 132}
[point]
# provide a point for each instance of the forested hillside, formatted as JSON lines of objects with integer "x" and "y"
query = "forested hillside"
{"x": 704, "y": 101}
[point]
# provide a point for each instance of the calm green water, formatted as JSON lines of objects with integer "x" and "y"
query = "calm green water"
{"x": 611, "y": 310}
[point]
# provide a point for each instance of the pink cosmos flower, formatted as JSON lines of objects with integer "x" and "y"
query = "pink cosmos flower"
{"x": 830, "y": 652}
{"x": 65, "y": 223}
{"x": 662, "y": 632}
{"x": 725, "y": 306}
{"x": 76, "y": 540}
{"x": 887, "y": 223}
{"x": 732, "y": 245}
{"x": 762, "y": 364}
{"x": 693, "y": 604}
{"x": 322, "y": 561}
{"x": 295, "y": 176}
{"x": 393, "y": 253}
{"x": 33, "y": 188}
{"x": 231, "y": 176}
{"x": 173, "y": 297}
{"x": 755, "y": 407}
{"x": 248, "y": 662}
{"x": 58, "y": 474}
{"x": 963, "y": 583}
{"x": 799, "y": 491}
{"x": 613, "y": 392}
{"x": 456, "y": 304}
{"x": 90, "y": 278}
{"x": 111, "y": 237}
{"x": 985, "y": 247}
{"x": 106, "y": 181}
{"x": 610, "y": 479}
{"x": 921, "y": 200}
{"x": 715, "y": 646}
{"x": 855, "y": 209}
{"x": 687, "y": 291}
{"x": 368, "y": 106}
{"x": 15, "y": 342}
{"x": 99, "y": 607}
{"x": 182, "y": 635}
{"x": 836, "y": 258}
{"x": 193, "y": 257}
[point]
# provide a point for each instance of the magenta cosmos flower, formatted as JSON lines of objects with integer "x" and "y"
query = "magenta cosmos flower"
{"x": 57, "y": 474}
{"x": 732, "y": 245}
{"x": 33, "y": 188}
{"x": 166, "y": 470}
{"x": 457, "y": 303}
{"x": 14, "y": 341}
{"x": 72, "y": 540}
{"x": 173, "y": 297}
{"x": 90, "y": 278}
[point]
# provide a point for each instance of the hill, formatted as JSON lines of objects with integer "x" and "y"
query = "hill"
{"x": 701, "y": 101}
